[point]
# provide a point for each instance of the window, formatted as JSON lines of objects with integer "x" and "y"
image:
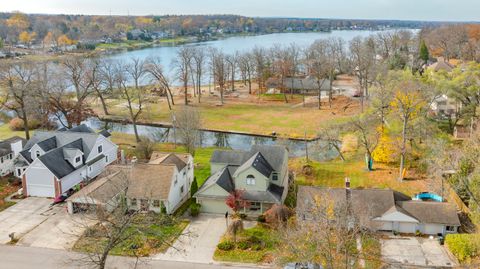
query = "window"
{"x": 250, "y": 180}
{"x": 450, "y": 228}
{"x": 100, "y": 149}
{"x": 255, "y": 206}
{"x": 176, "y": 181}
{"x": 90, "y": 168}
{"x": 37, "y": 153}
{"x": 184, "y": 172}
{"x": 181, "y": 189}
{"x": 156, "y": 203}
{"x": 19, "y": 171}
{"x": 274, "y": 176}
{"x": 77, "y": 159}
{"x": 10, "y": 156}
{"x": 1, "y": 160}
{"x": 106, "y": 159}
{"x": 133, "y": 202}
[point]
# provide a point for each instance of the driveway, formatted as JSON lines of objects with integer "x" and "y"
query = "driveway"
{"x": 37, "y": 224}
{"x": 199, "y": 242}
{"x": 416, "y": 251}
{"x": 23, "y": 217}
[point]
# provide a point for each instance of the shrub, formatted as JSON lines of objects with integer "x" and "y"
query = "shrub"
{"x": 194, "y": 209}
{"x": 463, "y": 246}
{"x": 278, "y": 214}
{"x": 242, "y": 215}
{"x": 243, "y": 245}
{"x": 16, "y": 124}
{"x": 261, "y": 219}
{"x": 226, "y": 245}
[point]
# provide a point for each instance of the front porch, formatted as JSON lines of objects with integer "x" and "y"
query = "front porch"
{"x": 254, "y": 208}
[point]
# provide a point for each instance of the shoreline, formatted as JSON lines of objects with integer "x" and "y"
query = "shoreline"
{"x": 125, "y": 121}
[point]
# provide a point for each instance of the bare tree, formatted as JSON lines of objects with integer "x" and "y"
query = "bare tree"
{"x": 331, "y": 135}
{"x": 232, "y": 60}
{"x": 317, "y": 65}
{"x": 19, "y": 81}
{"x": 134, "y": 95}
{"x": 155, "y": 69}
{"x": 246, "y": 69}
{"x": 188, "y": 124}
{"x": 366, "y": 129}
{"x": 199, "y": 58}
{"x": 182, "y": 65}
{"x": 220, "y": 69}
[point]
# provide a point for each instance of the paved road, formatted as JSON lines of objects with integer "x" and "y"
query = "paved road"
{"x": 29, "y": 257}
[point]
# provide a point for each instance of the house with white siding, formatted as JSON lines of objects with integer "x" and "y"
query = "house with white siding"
{"x": 9, "y": 150}
{"x": 380, "y": 210}
{"x": 54, "y": 162}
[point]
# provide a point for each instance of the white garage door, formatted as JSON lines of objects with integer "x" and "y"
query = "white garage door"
{"x": 40, "y": 190}
{"x": 406, "y": 227}
{"x": 213, "y": 206}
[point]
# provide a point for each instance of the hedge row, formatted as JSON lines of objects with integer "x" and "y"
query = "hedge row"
{"x": 463, "y": 246}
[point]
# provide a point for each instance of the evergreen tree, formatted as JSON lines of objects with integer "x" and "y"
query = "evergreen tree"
{"x": 424, "y": 55}
{"x": 194, "y": 187}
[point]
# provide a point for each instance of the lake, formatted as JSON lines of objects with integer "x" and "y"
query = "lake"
{"x": 240, "y": 43}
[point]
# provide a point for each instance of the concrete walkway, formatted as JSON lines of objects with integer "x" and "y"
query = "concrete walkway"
{"x": 200, "y": 241}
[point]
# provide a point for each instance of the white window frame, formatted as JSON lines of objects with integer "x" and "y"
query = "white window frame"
{"x": 250, "y": 180}
{"x": 100, "y": 149}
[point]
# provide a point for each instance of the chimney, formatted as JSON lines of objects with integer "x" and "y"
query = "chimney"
{"x": 347, "y": 183}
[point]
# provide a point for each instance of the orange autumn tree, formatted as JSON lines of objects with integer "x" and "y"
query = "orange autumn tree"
{"x": 26, "y": 37}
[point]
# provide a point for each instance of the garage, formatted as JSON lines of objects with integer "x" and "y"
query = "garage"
{"x": 407, "y": 227}
{"x": 213, "y": 206}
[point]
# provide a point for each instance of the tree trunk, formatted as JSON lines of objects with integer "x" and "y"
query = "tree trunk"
{"x": 25, "y": 125}
{"x": 185, "y": 89}
{"x": 104, "y": 105}
{"x": 403, "y": 149}
{"x": 137, "y": 137}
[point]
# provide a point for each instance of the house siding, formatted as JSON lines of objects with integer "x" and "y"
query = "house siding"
{"x": 261, "y": 182}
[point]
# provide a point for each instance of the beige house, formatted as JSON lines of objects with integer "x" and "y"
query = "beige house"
{"x": 259, "y": 175}
{"x": 161, "y": 185}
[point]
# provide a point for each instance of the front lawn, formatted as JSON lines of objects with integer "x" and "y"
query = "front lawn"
{"x": 254, "y": 245}
{"x": 6, "y": 188}
{"x": 148, "y": 234}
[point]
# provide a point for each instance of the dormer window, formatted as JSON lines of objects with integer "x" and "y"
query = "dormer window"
{"x": 78, "y": 159}
{"x": 37, "y": 153}
{"x": 274, "y": 176}
{"x": 100, "y": 149}
{"x": 250, "y": 180}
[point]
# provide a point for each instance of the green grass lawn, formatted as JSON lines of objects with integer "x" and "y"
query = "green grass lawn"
{"x": 332, "y": 174}
{"x": 148, "y": 234}
{"x": 254, "y": 245}
{"x": 6, "y": 132}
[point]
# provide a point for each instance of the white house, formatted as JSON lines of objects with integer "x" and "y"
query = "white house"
{"x": 53, "y": 162}
{"x": 380, "y": 210}
{"x": 9, "y": 150}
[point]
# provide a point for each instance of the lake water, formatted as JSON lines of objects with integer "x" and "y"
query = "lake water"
{"x": 317, "y": 150}
{"x": 240, "y": 43}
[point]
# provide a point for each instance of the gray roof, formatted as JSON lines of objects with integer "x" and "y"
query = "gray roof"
{"x": 228, "y": 157}
{"x": 222, "y": 178}
{"x": 261, "y": 196}
{"x": 48, "y": 144}
{"x": 56, "y": 162}
{"x": 258, "y": 162}
{"x": 431, "y": 212}
{"x": 82, "y": 128}
{"x": 368, "y": 204}
{"x": 307, "y": 83}
{"x": 6, "y": 145}
{"x": 275, "y": 156}
{"x": 105, "y": 133}
{"x": 173, "y": 159}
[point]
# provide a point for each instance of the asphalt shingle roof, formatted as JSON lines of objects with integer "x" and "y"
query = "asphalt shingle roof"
{"x": 5, "y": 145}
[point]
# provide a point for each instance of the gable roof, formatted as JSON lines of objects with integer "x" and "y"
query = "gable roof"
{"x": 258, "y": 162}
{"x": 102, "y": 190}
{"x": 368, "y": 204}
{"x": 169, "y": 158}
{"x": 432, "y": 212}
{"x": 6, "y": 145}
{"x": 151, "y": 181}
{"x": 56, "y": 162}
{"x": 222, "y": 178}
{"x": 229, "y": 157}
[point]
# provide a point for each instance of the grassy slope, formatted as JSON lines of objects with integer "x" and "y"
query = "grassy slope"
{"x": 256, "y": 116}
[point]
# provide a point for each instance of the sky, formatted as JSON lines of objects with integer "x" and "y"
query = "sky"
{"x": 432, "y": 10}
